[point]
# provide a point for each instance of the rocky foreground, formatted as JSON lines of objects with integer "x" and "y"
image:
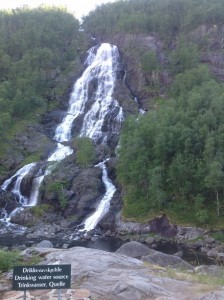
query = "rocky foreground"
{"x": 101, "y": 275}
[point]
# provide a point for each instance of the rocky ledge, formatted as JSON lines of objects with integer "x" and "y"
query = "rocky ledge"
{"x": 197, "y": 245}
{"x": 102, "y": 275}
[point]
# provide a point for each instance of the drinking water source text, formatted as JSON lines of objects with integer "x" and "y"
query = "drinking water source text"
{"x": 41, "y": 277}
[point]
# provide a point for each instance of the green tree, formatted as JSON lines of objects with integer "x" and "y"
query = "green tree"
{"x": 172, "y": 158}
{"x": 57, "y": 190}
{"x": 186, "y": 56}
{"x": 85, "y": 152}
{"x": 37, "y": 46}
{"x": 214, "y": 181}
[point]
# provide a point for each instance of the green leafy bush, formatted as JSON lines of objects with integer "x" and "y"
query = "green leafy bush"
{"x": 57, "y": 188}
{"x": 8, "y": 259}
{"x": 85, "y": 153}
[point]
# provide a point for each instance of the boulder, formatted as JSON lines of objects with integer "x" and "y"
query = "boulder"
{"x": 213, "y": 270}
{"x": 7, "y": 201}
{"x": 108, "y": 276}
{"x": 24, "y": 217}
{"x": 167, "y": 260}
{"x": 213, "y": 253}
{"x": 44, "y": 244}
{"x": 133, "y": 249}
{"x": 189, "y": 233}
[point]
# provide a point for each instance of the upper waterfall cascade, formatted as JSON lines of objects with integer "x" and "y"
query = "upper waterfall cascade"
{"x": 101, "y": 66}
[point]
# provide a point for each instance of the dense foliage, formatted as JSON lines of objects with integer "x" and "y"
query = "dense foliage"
{"x": 9, "y": 259}
{"x": 85, "y": 153}
{"x": 35, "y": 47}
{"x": 165, "y": 17}
{"x": 172, "y": 158}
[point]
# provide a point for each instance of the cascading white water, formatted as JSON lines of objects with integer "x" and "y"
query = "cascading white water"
{"x": 18, "y": 176}
{"x": 104, "y": 205}
{"x": 101, "y": 65}
{"x": 104, "y": 68}
{"x": 19, "y": 173}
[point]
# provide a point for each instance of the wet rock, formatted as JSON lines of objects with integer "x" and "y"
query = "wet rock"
{"x": 161, "y": 225}
{"x": 8, "y": 202}
{"x": 82, "y": 189}
{"x": 24, "y": 218}
{"x": 50, "y": 120}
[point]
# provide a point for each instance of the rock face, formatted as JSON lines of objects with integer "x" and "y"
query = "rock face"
{"x": 83, "y": 187}
{"x": 131, "y": 47}
{"x": 213, "y": 55}
{"x": 110, "y": 276}
{"x": 161, "y": 225}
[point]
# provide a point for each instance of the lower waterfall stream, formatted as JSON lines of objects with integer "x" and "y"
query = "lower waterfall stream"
{"x": 101, "y": 65}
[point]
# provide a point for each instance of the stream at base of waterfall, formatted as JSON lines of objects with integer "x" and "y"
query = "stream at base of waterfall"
{"x": 101, "y": 65}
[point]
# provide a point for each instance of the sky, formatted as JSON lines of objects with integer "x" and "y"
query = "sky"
{"x": 77, "y": 7}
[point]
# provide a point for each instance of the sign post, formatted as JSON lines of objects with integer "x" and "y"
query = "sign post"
{"x": 41, "y": 277}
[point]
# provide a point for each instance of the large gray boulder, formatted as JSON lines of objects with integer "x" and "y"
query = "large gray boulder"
{"x": 133, "y": 249}
{"x": 167, "y": 260}
{"x": 44, "y": 244}
{"x": 111, "y": 276}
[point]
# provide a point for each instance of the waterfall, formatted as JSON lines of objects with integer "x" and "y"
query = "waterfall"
{"x": 17, "y": 178}
{"x": 105, "y": 112}
{"x": 104, "y": 205}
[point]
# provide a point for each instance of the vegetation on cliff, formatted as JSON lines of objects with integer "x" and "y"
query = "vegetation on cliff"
{"x": 36, "y": 46}
{"x": 171, "y": 159}
{"x": 163, "y": 17}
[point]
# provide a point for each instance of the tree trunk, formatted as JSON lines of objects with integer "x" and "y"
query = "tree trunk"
{"x": 217, "y": 203}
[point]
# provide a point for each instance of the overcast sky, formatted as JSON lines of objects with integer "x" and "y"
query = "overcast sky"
{"x": 78, "y": 7}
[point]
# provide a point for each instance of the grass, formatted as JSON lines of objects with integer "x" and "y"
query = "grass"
{"x": 9, "y": 259}
{"x": 34, "y": 157}
{"x": 195, "y": 277}
{"x": 182, "y": 216}
{"x": 219, "y": 236}
{"x": 206, "y": 279}
{"x": 40, "y": 210}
